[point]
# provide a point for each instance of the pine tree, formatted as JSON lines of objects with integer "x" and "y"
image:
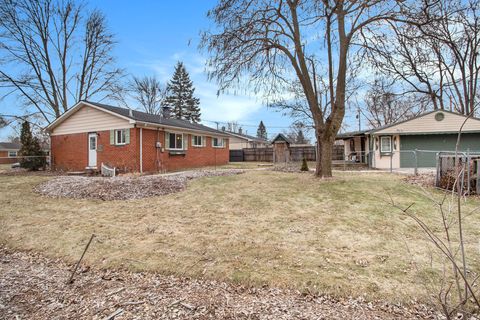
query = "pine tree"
{"x": 33, "y": 158}
{"x": 262, "y": 131}
{"x": 301, "y": 138}
{"x": 304, "y": 166}
{"x": 180, "y": 97}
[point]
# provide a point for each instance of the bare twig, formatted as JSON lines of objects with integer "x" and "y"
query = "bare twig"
{"x": 80, "y": 260}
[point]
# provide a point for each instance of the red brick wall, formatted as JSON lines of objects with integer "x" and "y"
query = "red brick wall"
{"x": 124, "y": 157}
{"x": 70, "y": 152}
{"x": 4, "y": 158}
{"x": 155, "y": 160}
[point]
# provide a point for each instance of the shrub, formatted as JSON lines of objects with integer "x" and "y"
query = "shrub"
{"x": 304, "y": 165}
{"x": 32, "y": 156}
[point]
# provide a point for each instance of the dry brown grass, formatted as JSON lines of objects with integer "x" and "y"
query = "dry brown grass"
{"x": 262, "y": 227}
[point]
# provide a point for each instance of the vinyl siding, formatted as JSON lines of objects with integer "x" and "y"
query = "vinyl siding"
{"x": 88, "y": 119}
{"x": 428, "y": 124}
{"x": 384, "y": 161}
{"x": 434, "y": 142}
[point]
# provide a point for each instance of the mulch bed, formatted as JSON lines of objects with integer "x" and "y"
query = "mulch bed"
{"x": 123, "y": 187}
{"x": 34, "y": 287}
{"x": 25, "y": 172}
{"x": 292, "y": 167}
{"x": 425, "y": 180}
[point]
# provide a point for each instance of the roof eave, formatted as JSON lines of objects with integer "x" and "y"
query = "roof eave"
{"x": 163, "y": 126}
{"x": 77, "y": 106}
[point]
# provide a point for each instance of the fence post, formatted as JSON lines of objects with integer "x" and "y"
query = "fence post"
{"x": 478, "y": 176}
{"x": 415, "y": 154}
{"x": 437, "y": 177}
{"x": 468, "y": 171}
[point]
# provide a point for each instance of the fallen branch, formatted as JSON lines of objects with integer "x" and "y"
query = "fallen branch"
{"x": 113, "y": 315}
{"x": 79, "y": 261}
{"x": 115, "y": 291}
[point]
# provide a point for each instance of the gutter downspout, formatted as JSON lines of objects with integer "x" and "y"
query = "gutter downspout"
{"x": 141, "y": 150}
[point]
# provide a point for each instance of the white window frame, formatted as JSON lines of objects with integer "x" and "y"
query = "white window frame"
{"x": 175, "y": 139}
{"x": 202, "y": 140}
{"x": 389, "y": 138}
{"x": 124, "y": 135}
{"x": 218, "y": 139}
{"x": 14, "y": 156}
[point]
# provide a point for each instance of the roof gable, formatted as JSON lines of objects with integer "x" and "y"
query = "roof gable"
{"x": 10, "y": 146}
{"x": 439, "y": 121}
{"x": 281, "y": 138}
{"x": 245, "y": 137}
{"x": 133, "y": 116}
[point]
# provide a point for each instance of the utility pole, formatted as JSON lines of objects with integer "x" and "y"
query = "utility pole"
{"x": 359, "y": 120}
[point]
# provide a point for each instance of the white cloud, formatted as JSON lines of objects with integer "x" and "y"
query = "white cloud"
{"x": 225, "y": 107}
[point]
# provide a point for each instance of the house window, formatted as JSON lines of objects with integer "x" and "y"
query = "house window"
{"x": 385, "y": 144}
{"x": 12, "y": 154}
{"x": 120, "y": 137}
{"x": 197, "y": 141}
{"x": 217, "y": 142}
{"x": 175, "y": 141}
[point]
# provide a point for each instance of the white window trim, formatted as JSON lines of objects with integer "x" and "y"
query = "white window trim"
{"x": 218, "y": 139}
{"x": 381, "y": 144}
{"x": 10, "y": 156}
{"x": 116, "y": 137}
{"x": 202, "y": 143}
{"x": 170, "y": 140}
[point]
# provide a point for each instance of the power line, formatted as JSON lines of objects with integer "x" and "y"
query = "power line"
{"x": 245, "y": 125}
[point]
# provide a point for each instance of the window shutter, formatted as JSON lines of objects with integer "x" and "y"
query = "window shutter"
{"x": 167, "y": 140}
{"x": 204, "y": 141}
{"x": 127, "y": 136}
{"x": 193, "y": 140}
{"x": 185, "y": 141}
{"x": 112, "y": 136}
{"x": 224, "y": 143}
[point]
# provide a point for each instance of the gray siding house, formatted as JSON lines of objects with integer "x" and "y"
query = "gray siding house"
{"x": 425, "y": 135}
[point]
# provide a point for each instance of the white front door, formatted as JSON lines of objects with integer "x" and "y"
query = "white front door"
{"x": 92, "y": 149}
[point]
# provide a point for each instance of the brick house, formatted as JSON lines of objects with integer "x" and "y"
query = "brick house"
{"x": 90, "y": 134}
{"x": 9, "y": 152}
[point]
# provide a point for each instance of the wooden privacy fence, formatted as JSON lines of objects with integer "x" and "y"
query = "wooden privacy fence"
{"x": 448, "y": 166}
{"x": 258, "y": 154}
{"x": 297, "y": 153}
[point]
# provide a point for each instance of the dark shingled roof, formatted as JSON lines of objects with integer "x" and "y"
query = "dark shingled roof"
{"x": 351, "y": 134}
{"x": 153, "y": 118}
{"x": 10, "y": 146}
{"x": 281, "y": 137}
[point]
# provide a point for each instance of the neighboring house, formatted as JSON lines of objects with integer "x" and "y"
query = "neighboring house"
{"x": 90, "y": 134}
{"x": 425, "y": 135}
{"x": 9, "y": 152}
{"x": 240, "y": 141}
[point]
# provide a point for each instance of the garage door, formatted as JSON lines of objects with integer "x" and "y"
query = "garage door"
{"x": 434, "y": 142}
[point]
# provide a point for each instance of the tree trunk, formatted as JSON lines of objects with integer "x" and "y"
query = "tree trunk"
{"x": 324, "y": 157}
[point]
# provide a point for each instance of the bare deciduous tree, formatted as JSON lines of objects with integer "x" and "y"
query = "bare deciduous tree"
{"x": 40, "y": 42}
{"x": 440, "y": 59}
{"x": 278, "y": 42}
{"x": 457, "y": 291}
{"x": 383, "y": 106}
{"x": 149, "y": 93}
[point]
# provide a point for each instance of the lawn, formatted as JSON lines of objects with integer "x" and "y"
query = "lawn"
{"x": 283, "y": 229}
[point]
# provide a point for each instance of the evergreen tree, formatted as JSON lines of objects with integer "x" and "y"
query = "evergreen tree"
{"x": 301, "y": 138}
{"x": 33, "y": 158}
{"x": 304, "y": 166}
{"x": 180, "y": 97}
{"x": 262, "y": 131}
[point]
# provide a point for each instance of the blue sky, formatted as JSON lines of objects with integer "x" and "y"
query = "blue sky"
{"x": 153, "y": 35}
